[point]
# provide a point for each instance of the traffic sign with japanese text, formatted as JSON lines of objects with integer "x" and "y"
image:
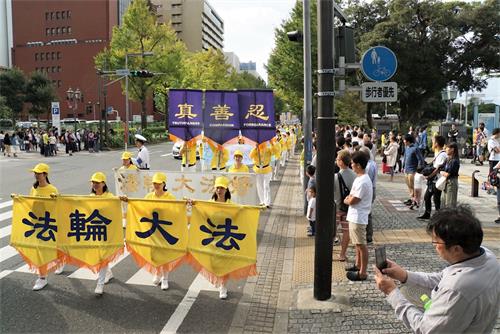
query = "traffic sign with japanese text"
{"x": 379, "y": 92}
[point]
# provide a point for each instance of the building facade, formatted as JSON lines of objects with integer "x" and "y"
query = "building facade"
{"x": 196, "y": 23}
{"x": 55, "y": 37}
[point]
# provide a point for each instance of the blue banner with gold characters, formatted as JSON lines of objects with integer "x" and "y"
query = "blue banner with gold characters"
{"x": 221, "y": 118}
{"x": 185, "y": 114}
{"x": 257, "y": 120}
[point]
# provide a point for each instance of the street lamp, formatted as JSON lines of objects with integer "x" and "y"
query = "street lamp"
{"x": 73, "y": 96}
{"x": 448, "y": 95}
{"x": 142, "y": 54}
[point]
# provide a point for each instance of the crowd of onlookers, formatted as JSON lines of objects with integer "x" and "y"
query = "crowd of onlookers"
{"x": 48, "y": 142}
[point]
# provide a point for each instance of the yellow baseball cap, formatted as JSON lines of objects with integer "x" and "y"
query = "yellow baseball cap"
{"x": 238, "y": 152}
{"x": 98, "y": 177}
{"x": 41, "y": 168}
{"x": 126, "y": 155}
{"x": 159, "y": 178}
{"x": 222, "y": 181}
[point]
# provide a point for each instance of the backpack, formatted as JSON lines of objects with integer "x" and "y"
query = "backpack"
{"x": 493, "y": 178}
{"x": 344, "y": 192}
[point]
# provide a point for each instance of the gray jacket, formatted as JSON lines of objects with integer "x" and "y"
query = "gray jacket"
{"x": 465, "y": 298}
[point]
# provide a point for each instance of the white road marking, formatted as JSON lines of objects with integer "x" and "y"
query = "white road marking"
{"x": 5, "y": 215}
{"x": 5, "y": 273}
{"x": 7, "y": 252}
{"x": 166, "y": 155}
{"x": 84, "y": 273}
{"x": 176, "y": 319}
{"x": 5, "y": 231}
{"x": 142, "y": 277}
{"x": 6, "y": 204}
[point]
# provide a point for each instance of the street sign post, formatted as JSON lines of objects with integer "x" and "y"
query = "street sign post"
{"x": 56, "y": 116}
{"x": 122, "y": 72}
{"x": 110, "y": 110}
{"x": 379, "y": 92}
{"x": 379, "y": 63}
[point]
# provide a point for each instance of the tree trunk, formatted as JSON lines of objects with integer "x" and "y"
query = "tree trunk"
{"x": 144, "y": 123}
{"x": 369, "y": 118}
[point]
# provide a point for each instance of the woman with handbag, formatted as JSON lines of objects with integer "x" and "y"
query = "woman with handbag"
{"x": 391, "y": 153}
{"x": 450, "y": 172}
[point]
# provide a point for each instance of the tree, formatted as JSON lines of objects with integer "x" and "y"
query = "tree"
{"x": 40, "y": 93}
{"x": 12, "y": 88}
{"x": 5, "y": 112}
{"x": 245, "y": 80}
{"x": 207, "y": 69}
{"x": 138, "y": 34}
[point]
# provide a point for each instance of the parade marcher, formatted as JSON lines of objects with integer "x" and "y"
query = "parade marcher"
{"x": 450, "y": 171}
{"x": 100, "y": 189}
{"x": 43, "y": 188}
{"x": 160, "y": 192}
{"x": 465, "y": 296}
{"x": 127, "y": 162}
{"x": 238, "y": 166}
{"x": 143, "y": 154}
{"x": 284, "y": 149}
{"x": 188, "y": 154}
{"x": 220, "y": 156}
{"x": 276, "y": 149}
{"x": 261, "y": 157}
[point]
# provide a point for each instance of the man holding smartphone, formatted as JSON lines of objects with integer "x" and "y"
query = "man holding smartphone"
{"x": 465, "y": 295}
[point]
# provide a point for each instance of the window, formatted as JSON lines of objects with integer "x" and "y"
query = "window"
{"x": 36, "y": 56}
{"x": 47, "y": 16}
{"x": 47, "y": 55}
{"x": 63, "y": 30}
{"x": 59, "y": 84}
{"x": 69, "y": 14}
{"x": 58, "y": 15}
{"x": 58, "y": 69}
{"x": 41, "y": 55}
{"x": 53, "y": 31}
{"x": 59, "y": 56}
{"x": 53, "y": 56}
{"x": 47, "y": 31}
{"x": 51, "y": 15}
{"x": 63, "y": 14}
{"x": 54, "y": 69}
{"x": 58, "y": 30}
{"x": 69, "y": 30}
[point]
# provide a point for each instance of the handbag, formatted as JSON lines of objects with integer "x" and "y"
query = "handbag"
{"x": 441, "y": 183}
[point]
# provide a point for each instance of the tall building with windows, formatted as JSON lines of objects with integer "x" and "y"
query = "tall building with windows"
{"x": 56, "y": 37}
{"x": 195, "y": 21}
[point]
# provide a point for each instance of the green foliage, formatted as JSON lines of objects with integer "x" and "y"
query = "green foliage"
{"x": 245, "y": 80}
{"x": 5, "y": 111}
{"x": 12, "y": 89}
{"x": 206, "y": 70}
{"x": 154, "y": 134}
{"x": 40, "y": 92}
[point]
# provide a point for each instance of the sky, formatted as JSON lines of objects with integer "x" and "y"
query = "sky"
{"x": 249, "y": 32}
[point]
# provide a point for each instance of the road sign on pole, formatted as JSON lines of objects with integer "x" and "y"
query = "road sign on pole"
{"x": 56, "y": 116}
{"x": 122, "y": 72}
{"x": 379, "y": 92}
{"x": 379, "y": 63}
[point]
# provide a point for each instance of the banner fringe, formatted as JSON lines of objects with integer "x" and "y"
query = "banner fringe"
{"x": 42, "y": 270}
{"x": 66, "y": 259}
{"x": 143, "y": 263}
{"x": 237, "y": 274}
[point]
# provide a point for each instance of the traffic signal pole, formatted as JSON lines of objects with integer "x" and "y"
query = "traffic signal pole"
{"x": 307, "y": 113}
{"x": 325, "y": 217}
{"x": 126, "y": 104}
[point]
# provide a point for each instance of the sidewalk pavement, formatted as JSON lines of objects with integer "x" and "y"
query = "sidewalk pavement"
{"x": 280, "y": 300}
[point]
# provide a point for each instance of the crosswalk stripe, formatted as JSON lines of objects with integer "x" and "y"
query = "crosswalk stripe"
{"x": 142, "y": 277}
{"x": 84, "y": 273}
{"x": 7, "y": 252}
{"x": 5, "y": 231}
{"x": 5, "y": 215}
{"x": 5, "y": 273}
{"x": 6, "y": 204}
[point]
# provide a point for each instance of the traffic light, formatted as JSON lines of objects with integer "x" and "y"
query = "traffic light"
{"x": 295, "y": 36}
{"x": 141, "y": 74}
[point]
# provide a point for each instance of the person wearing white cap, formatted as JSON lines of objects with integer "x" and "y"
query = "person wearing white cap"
{"x": 143, "y": 155}
{"x": 43, "y": 188}
{"x": 100, "y": 189}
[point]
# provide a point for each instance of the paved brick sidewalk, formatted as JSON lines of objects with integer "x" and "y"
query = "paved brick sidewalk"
{"x": 274, "y": 300}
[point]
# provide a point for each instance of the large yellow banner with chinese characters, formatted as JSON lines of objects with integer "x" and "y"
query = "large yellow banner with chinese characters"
{"x": 90, "y": 230}
{"x": 157, "y": 233}
{"x": 223, "y": 240}
{"x": 34, "y": 232}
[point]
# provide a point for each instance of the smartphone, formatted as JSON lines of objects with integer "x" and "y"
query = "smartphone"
{"x": 380, "y": 258}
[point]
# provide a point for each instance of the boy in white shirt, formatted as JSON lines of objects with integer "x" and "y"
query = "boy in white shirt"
{"x": 311, "y": 211}
{"x": 360, "y": 206}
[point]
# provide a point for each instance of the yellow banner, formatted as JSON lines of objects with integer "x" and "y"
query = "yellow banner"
{"x": 35, "y": 231}
{"x": 90, "y": 230}
{"x": 157, "y": 233}
{"x": 223, "y": 240}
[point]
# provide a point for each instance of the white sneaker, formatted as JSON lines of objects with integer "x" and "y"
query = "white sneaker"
{"x": 40, "y": 283}
{"x": 59, "y": 270}
{"x": 222, "y": 292}
{"x": 99, "y": 289}
{"x": 109, "y": 276}
{"x": 156, "y": 279}
{"x": 164, "y": 284}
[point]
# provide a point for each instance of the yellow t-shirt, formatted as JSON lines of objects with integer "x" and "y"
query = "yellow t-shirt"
{"x": 190, "y": 152}
{"x": 130, "y": 167}
{"x": 242, "y": 169}
{"x": 43, "y": 191}
{"x": 107, "y": 194}
{"x": 166, "y": 195}
{"x": 264, "y": 165}
{"x": 219, "y": 158}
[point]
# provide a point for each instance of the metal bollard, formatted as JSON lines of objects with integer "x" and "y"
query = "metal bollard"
{"x": 474, "y": 191}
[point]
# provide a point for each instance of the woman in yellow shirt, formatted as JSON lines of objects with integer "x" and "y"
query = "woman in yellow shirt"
{"x": 238, "y": 166}
{"x": 261, "y": 157}
{"x": 43, "y": 188}
{"x": 100, "y": 189}
{"x": 160, "y": 192}
{"x": 127, "y": 162}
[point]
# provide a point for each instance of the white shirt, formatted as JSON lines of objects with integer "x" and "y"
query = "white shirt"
{"x": 419, "y": 181}
{"x": 143, "y": 158}
{"x": 492, "y": 144}
{"x": 311, "y": 205}
{"x": 361, "y": 188}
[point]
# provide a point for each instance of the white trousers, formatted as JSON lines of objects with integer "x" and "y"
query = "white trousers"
{"x": 101, "y": 277}
{"x": 263, "y": 188}
{"x": 283, "y": 158}
{"x": 276, "y": 165}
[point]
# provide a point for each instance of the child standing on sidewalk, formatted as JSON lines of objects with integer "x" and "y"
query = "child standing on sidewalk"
{"x": 311, "y": 211}
{"x": 418, "y": 187}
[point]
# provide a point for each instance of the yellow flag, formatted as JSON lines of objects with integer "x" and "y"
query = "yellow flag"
{"x": 34, "y": 232}
{"x": 156, "y": 233}
{"x": 90, "y": 230}
{"x": 223, "y": 240}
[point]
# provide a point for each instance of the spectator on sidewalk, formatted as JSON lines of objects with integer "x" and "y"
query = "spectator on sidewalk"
{"x": 360, "y": 203}
{"x": 371, "y": 170}
{"x": 412, "y": 159}
{"x": 391, "y": 153}
{"x": 494, "y": 148}
{"x": 450, "y": 192}
{"x": 453, "y": 134}
{"x": 437, "y": 164}
{"x": 311, "y": 211}
{"x": 422, "y": 141}
{"x": 497, "y": 167}
{"x": 465, "y": 296}
{"x": 481, "y": 141}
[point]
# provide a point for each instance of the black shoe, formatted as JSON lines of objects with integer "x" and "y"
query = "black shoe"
{"x": 355, "y": 276}
{"x": 353, "y": 268}
{"x": 408, "y": 202}
{"x": 424, "y": 216}
{"x": 369, "y": 241}
{"x": 497, "y": 221}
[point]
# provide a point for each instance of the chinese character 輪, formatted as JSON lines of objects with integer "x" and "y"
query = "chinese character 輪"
{"x": 96, "y": 228}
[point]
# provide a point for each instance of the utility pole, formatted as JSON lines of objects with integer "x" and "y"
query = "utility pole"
{"x": 307, "y": 113}
{"x": 325, "y": 228}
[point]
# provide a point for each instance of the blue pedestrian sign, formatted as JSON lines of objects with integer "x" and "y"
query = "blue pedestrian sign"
{"x": 379, "y": 63}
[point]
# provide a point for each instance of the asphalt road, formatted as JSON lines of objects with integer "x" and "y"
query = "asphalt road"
{"x": 130, "y": 302}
